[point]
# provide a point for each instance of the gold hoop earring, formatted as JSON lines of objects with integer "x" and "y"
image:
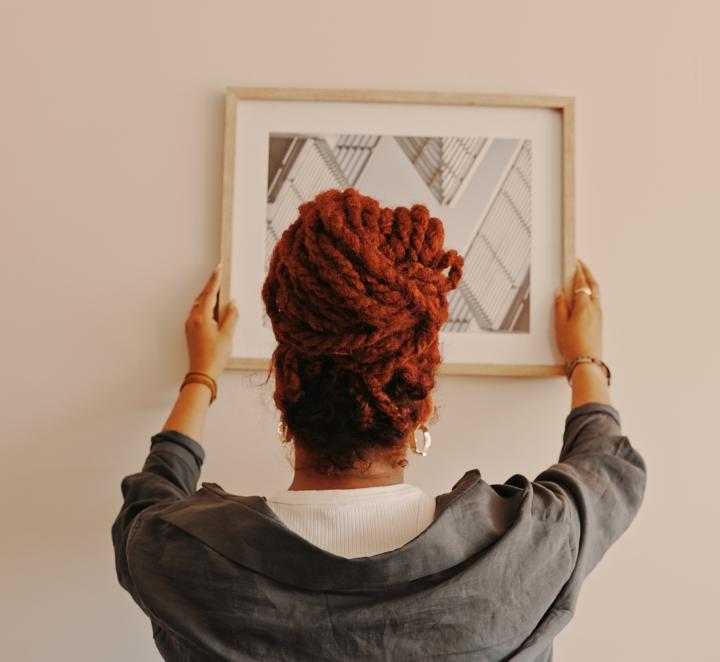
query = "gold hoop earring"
{"x": 426, "y": 441}
{"x": 281, "y": 433}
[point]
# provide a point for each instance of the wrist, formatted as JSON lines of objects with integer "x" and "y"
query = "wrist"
{"x": 197, "y": 390}
{"x": 202, "y": 379}
{"x": 210, "y": 372}
{"x": 571, "y": 355}
{"x": 589, "y": 383}
{"x": 588, "y": 370}
{"x": 585, "y": 359}
{"x": 587, "y": 374}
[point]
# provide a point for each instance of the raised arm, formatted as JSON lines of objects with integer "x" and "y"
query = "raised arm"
{"x": 578, "y": 330}
{"x": 599, "y": 478}
{"x": 172, "y": 467}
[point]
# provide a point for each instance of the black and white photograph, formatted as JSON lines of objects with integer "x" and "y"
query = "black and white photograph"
{"x": 481, "y": 187}
{"x": 496, "y": 170}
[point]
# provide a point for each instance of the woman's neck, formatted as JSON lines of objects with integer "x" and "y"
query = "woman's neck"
{"x": 388, "y": 470}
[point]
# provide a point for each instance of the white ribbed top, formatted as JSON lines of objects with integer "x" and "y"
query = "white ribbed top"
{"x": 359, "y": 521}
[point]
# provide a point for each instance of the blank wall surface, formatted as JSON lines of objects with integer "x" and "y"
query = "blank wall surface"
{"x": 111, "y": 132}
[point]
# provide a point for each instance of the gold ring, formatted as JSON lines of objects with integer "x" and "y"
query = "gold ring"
{"x": 584, "y": 290}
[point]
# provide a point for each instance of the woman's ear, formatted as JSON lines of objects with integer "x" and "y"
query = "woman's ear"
{"x": 431, "y": 411}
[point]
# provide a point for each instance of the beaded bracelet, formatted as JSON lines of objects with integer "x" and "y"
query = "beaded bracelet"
{"x": 201, "y": 378}
{"x": 569, "y": 367}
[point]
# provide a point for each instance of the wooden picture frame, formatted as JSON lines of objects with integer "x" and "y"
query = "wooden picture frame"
{"x": 561, "y": 106}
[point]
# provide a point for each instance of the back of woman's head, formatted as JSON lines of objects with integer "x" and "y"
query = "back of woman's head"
{"x": 356, "y": 297}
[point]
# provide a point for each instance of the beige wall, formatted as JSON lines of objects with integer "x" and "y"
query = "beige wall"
{"x": 111, "y": 135}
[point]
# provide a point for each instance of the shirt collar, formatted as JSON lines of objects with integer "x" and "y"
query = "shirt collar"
{"x": 354, "y": 495}
{"x": 247, "y": 531}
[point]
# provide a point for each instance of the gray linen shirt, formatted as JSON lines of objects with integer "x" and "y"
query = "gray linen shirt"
{"x": 494, "y": 577}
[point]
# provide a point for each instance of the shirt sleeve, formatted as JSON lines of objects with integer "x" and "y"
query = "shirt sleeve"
{"x": 170, "y": 473}
{"x": 600, "y": 480}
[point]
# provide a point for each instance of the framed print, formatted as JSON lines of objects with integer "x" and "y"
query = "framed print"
{"x": 497, "y": 170}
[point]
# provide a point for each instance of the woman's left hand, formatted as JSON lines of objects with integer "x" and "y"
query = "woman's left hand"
{"x": 209, "y": 344}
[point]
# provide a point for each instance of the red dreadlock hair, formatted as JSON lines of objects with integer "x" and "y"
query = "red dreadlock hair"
{"x": 356, "y": 298}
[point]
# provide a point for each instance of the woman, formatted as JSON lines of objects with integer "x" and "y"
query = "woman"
{"x": 351, "y": 562}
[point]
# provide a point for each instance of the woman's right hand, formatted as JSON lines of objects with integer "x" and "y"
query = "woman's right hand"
{"x": 578, "y": 324}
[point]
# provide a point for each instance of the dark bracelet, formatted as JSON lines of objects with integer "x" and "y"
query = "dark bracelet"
{"x": 569, "y": 367}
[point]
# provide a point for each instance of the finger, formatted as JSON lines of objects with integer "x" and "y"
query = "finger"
{"x": 579, "y": 282}
{"x": 230, "y": 317}
{"x": 561, "y": 309}
{"x": 209, "y": 294}
{"x": 211, "y": 281}
{"x": 591, "y": 280}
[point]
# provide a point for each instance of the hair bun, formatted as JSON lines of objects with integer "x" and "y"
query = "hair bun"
{"x": 348, "y": 278}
